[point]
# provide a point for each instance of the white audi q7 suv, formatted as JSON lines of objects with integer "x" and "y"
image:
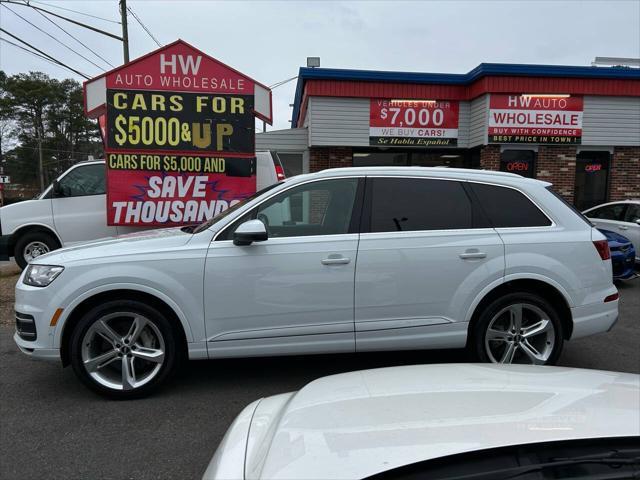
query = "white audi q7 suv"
{"x": 343, "y": 260}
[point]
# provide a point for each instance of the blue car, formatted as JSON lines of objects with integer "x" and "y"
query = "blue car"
{"x": 623, "y": 255}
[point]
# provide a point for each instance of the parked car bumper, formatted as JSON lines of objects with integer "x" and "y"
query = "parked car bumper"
{"x": 623, "y": 265}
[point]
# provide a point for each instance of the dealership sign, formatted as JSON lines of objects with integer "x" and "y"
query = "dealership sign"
{"x": 178, "y": 128}
{"x": 420, "y": 123}
{"x": 547, "y": 119}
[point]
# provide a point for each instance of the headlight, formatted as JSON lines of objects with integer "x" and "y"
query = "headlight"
{"x": 41, "y": 275}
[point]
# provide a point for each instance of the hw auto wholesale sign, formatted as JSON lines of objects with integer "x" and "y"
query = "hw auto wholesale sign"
{"x": 420, "y": 123}
{"x": 179, "y": 136}
{"x": 545, "y": 119}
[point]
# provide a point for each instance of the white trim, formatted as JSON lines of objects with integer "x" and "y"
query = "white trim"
{"x": 96, "y": 94}
{"x": 588, "y": 148}
{"x": 530, "y": 148}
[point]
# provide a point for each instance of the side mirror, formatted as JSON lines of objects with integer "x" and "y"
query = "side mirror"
{"x": 57, "y": 189}
{"x": 637, "y": 220}
{"x": 249, "y": 232}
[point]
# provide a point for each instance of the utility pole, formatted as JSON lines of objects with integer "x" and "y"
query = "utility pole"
{"x": 125, "y": 30}
{"x": 40, "y": 161}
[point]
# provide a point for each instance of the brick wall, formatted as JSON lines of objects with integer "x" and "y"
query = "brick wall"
{"x": 321, "y": 158}
{"x": 625, "y": 173}
{"x": 490, "y": 157}
{"x": 554, "y": 163}
{"x": 557, "y": 164}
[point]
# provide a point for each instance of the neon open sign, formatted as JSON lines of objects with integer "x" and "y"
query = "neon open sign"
{"x": 517, "y": 166}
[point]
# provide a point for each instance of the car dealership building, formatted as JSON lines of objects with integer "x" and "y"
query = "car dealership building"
{"x": 576, "y": 127}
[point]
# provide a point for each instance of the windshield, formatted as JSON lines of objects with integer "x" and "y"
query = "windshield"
{"x": 203, "y": 226}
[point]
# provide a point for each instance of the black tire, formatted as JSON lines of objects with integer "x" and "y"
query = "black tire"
{"x": 478, "y": 344}
{"x": 115, "y": 308}
{"x": 38, "y": 236}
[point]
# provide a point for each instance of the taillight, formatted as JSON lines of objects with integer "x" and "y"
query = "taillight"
{"x": 279, "y": 173}
{"x": 602, "y": 246}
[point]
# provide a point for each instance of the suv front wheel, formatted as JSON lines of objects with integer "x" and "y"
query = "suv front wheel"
{"x": 520, "y": 327}
{"x": 123, "y": 349}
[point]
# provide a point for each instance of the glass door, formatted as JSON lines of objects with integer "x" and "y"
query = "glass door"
{"x": 592, "y": 179}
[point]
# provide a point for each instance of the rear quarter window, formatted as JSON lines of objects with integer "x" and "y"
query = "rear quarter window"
{"x": 507, "y": 207}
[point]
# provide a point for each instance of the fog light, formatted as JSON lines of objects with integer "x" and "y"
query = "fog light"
{"x": 26, "y": 326}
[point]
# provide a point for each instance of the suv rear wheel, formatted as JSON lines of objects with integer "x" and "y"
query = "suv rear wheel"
{"x": 31, "y": 245}
{"x": 123, "y": 349}
{"x": 518, "y": 328}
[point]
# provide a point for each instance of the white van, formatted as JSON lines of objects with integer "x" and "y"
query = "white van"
{"x": 72, "y": 210}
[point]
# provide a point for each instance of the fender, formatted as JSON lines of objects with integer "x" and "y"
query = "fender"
{"x": 517, "y": 276}
{"x": 43, "y": 226}
{"x": 57, "y": 334}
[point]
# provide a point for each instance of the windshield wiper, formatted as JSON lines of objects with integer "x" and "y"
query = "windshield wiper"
{"x": 615, "y": 459}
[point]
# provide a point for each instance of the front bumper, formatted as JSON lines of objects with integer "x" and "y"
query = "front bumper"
{"x": 5, "y": 254}
{"x": 50, "y": 354}
{"x": 36, "y": 305}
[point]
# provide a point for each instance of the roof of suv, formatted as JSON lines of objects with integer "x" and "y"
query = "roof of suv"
{"x": 435, "y": 172}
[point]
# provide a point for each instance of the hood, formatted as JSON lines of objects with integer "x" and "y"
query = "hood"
{"x": 132, "y": 243}
{"x": 358, "y": 424}
{"x": 615, "y": 239}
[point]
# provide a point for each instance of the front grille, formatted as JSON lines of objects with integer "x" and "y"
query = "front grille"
{"x": 26, "y": 326}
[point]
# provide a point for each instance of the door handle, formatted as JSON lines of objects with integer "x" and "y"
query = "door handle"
{"x": 335, "y": 260}
{"x": 471, "y": 255}
{"x": 623, "y": 227}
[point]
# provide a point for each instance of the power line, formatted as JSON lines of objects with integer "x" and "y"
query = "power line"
{"x": 76, "y": 11}
{"x": 75, "y": 38}
{"x": 144, "y": 26}
{"x": 43, "y": 53}
{"x": 51, "y": 150}
{"x": 32, "y": 53}
{"x": 103, "y": 32}
{"x": 278, "y": 84}
{"x": 29, "y": 51}
{"x": 52, "y": 37}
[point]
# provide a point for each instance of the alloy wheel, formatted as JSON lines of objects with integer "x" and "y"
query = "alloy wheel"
{"x": 520, "y": 333}
{"x": 123, "y": 351}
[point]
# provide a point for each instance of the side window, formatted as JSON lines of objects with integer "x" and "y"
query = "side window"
{"x": 82, "y": 181}
{"x": 633, "y": 213}
{"x": 507, "y": 207}
{"x": 410, "y": 204}
{"x": 324, "y": 207}
{"x": 608, "y": 212}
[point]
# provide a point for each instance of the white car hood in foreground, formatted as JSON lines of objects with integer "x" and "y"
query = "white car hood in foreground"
{"x": 129, "y": 244}
{"x": 357, "y": 424}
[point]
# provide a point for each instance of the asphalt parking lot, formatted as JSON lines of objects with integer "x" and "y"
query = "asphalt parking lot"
{"x": 52, "y": 427}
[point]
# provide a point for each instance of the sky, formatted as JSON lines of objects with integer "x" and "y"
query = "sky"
{"x": 270, "y": 40}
